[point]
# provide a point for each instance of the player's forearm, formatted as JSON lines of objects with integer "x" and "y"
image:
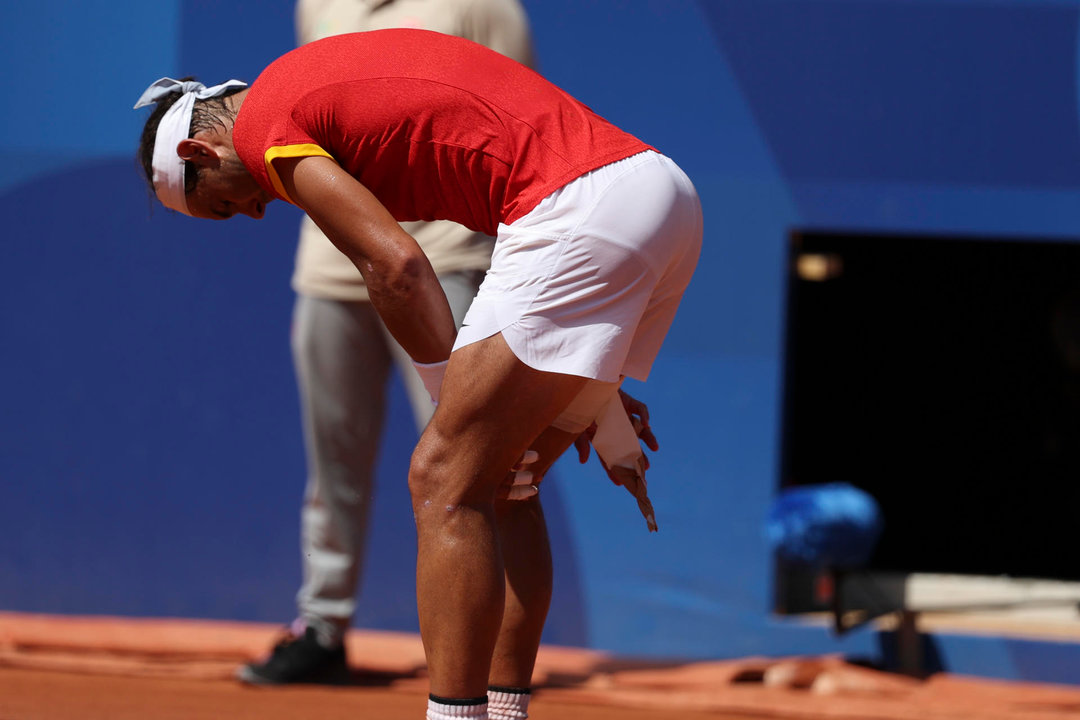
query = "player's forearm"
{"x": 404, "y": 290}
{"x": 414, "y": 309}
{"x": 401, "y": 284}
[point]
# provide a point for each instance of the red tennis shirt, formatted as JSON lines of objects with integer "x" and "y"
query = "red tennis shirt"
{"x": 437, "y": 127}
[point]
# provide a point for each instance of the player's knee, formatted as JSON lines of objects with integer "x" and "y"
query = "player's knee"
{"x": 439, "y": 478}
{"x": 423, "y": 475}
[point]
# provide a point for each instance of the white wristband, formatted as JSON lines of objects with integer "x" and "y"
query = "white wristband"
{"x": 432, "y": 375}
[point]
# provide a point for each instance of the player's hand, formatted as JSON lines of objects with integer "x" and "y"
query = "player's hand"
{"x": 519, "y": 483}
{"x": 638, "y": 412}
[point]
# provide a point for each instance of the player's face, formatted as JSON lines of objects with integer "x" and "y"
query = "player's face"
{"x": 225, "y": 191}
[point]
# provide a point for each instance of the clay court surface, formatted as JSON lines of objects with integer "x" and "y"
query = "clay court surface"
{"x": 55, "y": 667}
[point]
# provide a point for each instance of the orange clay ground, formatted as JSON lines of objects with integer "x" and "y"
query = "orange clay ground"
{"x": 58, "y": 667}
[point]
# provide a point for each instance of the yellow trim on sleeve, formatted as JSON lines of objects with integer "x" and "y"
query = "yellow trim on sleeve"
{"x": 289, "y": 151}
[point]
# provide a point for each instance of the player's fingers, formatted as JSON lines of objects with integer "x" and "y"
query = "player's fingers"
{"x": 528, "y": 458}
{"x": 522, "y": 492}
{"x": 649, "y": 439}
{"x": 518, "y": 485}
{"x": 582, "y": 446}
{"x": 642, "y": 411}
{"x": 633, "y": 406}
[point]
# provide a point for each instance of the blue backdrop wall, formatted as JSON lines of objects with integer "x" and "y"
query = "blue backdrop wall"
{"x": 150, "y": 461}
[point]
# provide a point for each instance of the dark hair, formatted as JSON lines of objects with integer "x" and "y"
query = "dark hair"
{"x": 206, "y": 115}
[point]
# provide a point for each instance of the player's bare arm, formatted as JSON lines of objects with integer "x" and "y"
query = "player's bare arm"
{"x": 403, "y": 287}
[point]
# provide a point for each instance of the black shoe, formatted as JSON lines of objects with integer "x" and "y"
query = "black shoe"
{"x": 298, "y": 660}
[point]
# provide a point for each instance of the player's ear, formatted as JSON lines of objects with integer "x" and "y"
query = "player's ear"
{"x": 197, "y": 151}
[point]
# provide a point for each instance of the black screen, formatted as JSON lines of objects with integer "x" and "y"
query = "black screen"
{"x": 942, "y": 376}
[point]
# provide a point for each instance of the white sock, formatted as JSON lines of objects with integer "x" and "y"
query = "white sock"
{"x": 449, "y": 709}
{"x": 508, "y": 703}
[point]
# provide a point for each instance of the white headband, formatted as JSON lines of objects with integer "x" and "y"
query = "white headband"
{"x": 174, "y": 127}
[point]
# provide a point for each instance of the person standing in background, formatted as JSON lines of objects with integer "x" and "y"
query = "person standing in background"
{"x": 343, "y": 354}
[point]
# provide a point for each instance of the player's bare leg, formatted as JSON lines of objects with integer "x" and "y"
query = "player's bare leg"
{"x": 492, "y": 409}
{"x": 527, "y": 560}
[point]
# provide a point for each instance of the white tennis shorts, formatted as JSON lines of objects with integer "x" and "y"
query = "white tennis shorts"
{"x": 588, "y": 282}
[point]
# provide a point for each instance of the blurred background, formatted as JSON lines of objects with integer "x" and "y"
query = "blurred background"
{"x": 885, "y": 298}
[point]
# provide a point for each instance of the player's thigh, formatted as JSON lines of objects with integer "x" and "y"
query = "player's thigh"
{"x": 491, "y": 410}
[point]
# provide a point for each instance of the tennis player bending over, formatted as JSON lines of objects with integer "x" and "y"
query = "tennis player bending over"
{"x": 597, "y": 238}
